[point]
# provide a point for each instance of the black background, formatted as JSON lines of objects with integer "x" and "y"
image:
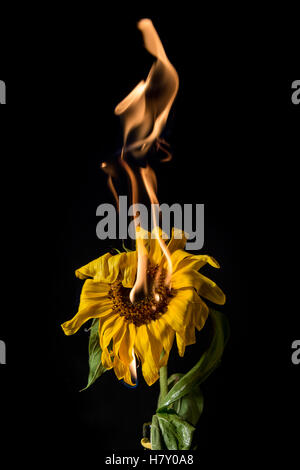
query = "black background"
{"x": 233, "y": 134}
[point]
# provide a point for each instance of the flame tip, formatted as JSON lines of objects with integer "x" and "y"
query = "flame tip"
{"x": 144, "y": 21}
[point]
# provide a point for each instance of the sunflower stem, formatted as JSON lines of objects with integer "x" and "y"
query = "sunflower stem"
{"x": 163, "y": 382}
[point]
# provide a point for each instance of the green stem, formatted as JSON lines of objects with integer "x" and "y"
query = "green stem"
{"x": 163, "y": 382}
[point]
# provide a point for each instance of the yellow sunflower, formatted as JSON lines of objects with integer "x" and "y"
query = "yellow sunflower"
{"x": 148, "y": 326}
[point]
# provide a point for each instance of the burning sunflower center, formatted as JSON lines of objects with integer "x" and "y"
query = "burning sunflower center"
{"x": 146, "y": 308}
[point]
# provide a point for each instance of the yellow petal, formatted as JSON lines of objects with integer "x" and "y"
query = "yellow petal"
{"x": 108, "y": 327}
{"x": 122, "y": 371}
{"x": 182, "y": 259}
{"x": 127, "y": 377}
{"x": 128, "y": 270}
{"x": 185, "y": 311}
{"x": 95, "y": 267}
{"x": 72, "y": 326}
{"x": 155, "y": 251}
{"x": 200, "y": 313}
{"x": 123, "y": 352}
{"x": 186, "y": 278}
{"x": 142, "y": 348}
{"x": 203, "y": 285}
{"x": 93, "y": 293}
{"x": 186, "y": 340}
{"x": 180, "y": 345}
{"x": 126, "y": 346}
{"x": 94, "y": 303}
{"x": 209, "y": 290}
{"x": 156, "y": 346}
{"x": 184, "y": 315}
{"x": 177, "y": 257}
{"x": 103, "y": 269}
{"x": 115, "y": 266}
{"x": 119, "y": 368}
{"x": 177, "y": 243}
{"x": 178, "y": 314}
{"x": 197, "y": 261}
{"x": 164, "y": 335}
{"x": 146, "y": 443}
{"x": 118, "y": 339}
{"x": 106, "y": 359}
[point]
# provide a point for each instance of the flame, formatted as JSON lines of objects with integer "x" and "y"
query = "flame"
{"x": 132, "y": 368}
{"x": 142, "y": 262}
{"x": 109, "y": 171}
{"x": 144, "y": 112}
{"x": 141, "y": 273}
{"x": 150, "y": 183}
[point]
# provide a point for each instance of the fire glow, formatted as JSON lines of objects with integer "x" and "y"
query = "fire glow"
{"x": 144, "y": 113}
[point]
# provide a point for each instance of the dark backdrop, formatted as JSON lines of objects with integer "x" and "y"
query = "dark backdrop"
{"x": 232, "y": 132}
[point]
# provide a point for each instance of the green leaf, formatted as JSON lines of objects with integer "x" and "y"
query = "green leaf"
{"x": 179, "y": 412}
{"x": 208, "y": 362}
{"x": 156, "y": 437}
{"x": 95, "y": 364}
{"x": 177, "y": 434}
{"x": 188, "y": 407}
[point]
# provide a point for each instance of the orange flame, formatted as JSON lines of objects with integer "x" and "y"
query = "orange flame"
{"x": 144, "y": 113}
{"x": 149, "y": 180}
{"x": 145, "y": 110}
{"x": 142, "y": 263}
{"x": 132, "y": 368}
{"x": 141, "y": 278}
{"x": 109, "y": 171}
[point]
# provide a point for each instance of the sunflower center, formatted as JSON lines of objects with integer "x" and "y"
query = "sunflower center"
{"x": 146, "y": 308}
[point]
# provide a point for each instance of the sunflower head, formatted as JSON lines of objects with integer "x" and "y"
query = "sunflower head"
{"x": 168, "y": 304}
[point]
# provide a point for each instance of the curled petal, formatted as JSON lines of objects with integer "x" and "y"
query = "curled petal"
{"x": 95, "y": 267}
{"x": 94, "y": 303}
{"x": 108, "y": 327}
{"x": 186, "y": 278}
{"x": 115, "y": 266}
{"x": 104, "y": 269}
{"x": 178, "y": 313}
{"x": 128, "y": 269}
{"x": 126, "y": 346}
{"x": 210, "y": 291}
{"x": 182, "y": 259}
{"x": 155, "y": 250}
{"x": 72, "y": 326}
{"x": 164, "y": 335}
{"x": 186, "y": 312}
{"x": 177, "y": 241}
{"x": 93, "y": 293}
{"x": 182, "y": 341}
{"x": 145, "y": 353}
{"x": 122, "y": 371}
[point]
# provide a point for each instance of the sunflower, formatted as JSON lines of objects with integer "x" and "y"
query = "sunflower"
{"x": 147, "y": 327}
